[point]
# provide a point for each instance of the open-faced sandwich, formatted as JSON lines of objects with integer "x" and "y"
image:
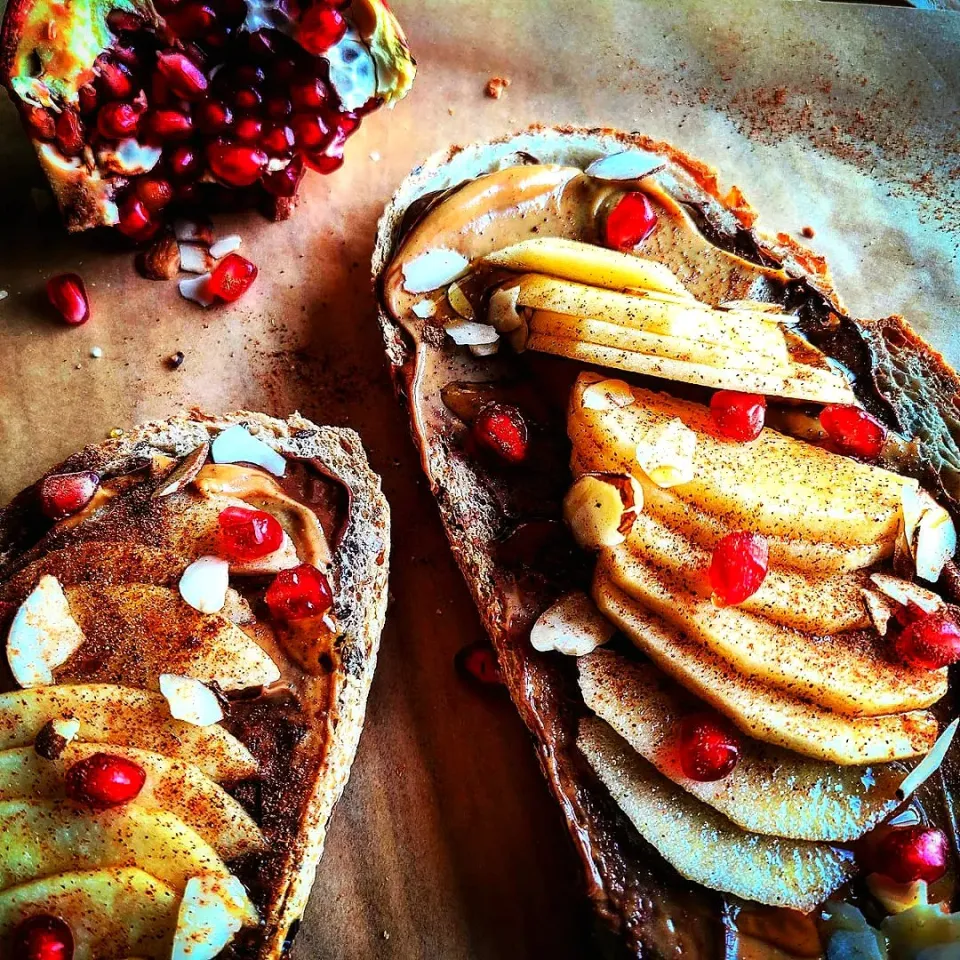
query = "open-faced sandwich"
{"x": 191, "y": 620}
{"x": 135, "y": 107}
{"x": 708, "y": 521}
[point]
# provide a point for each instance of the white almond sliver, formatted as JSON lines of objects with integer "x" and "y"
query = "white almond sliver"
{"x": 484, "y": 349}
{"x": 904, "y": 592}
{"x": 433, "y": 269}
{"x": 502, "y": 311}
{"x": 225, "y": 245}
{"x": 628, "y": 165}
{"x": 879, "y": 608}
{"x": 190, "y": 700}
{"x": 195, "y": 258}
{"x": 197, "y": 289}
{"x": 607, "y": 395}
{"x": 458, "y": 300}
{"x": 68, "y": 729}
{"x": 212, "y": 911}
{"x": 204, "y": 584}
{"x": 192, "y": 231}
{"x": 665, "y": 453}
{"x": 424, "y": 309}
{"x": 936, "y": 543}
{"x": 573, "y": 626}
{"x": 465, "y": 333}
{"x": 929, "y": 764}
{"x": 237, "y": 445}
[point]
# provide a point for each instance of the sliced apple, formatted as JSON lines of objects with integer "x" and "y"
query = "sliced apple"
{"x": 116, "y": 619}
{"x": 824, "y": 605}
{"x": 774, "y": 485}
{"x": 172, "y": 785}
{"x": 111, "y": 913}
{"x": 125, "y": 717}
{"x": 42, "y": 837}
{"x": 587, "y": 263}
{"x": 705, "y": 846}
{"x": 766, "y": 713}
{"x": 849, "y": 673}
{"x": 771, "y": 790}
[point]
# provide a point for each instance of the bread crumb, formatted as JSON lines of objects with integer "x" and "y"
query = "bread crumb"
{"x": 495, "y": 87}
{"x": 807, "y": 232}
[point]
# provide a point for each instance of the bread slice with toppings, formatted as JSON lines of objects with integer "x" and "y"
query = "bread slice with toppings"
{"x": 222, "y": 582}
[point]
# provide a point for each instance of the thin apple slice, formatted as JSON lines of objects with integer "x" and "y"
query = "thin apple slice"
{"x": 774, "y": 485}
{"x": 822, "y": 605}
{"x": 208, "y": 647}
{"x": 124, "y": 717}
{"x": 41, "y": 837}
{"x": 172, "y": 785}
{"x": 111, "y": 913}
{"x": 706, "y": 530}
{"x": 587, "y": 263}
{"x": 771, "y": 790}
{"x": 766, "y": 713}
{"x": 704, "y": 846}
{"x": 849, "y": 673}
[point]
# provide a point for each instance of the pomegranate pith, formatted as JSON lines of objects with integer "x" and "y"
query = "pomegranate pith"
{"x": 232, "y": 278}
{"x": 630, "y": 222}
{"x": 42, "y": 937}
{"x": 929, "y": 642}
{"x": 320, "y": 28}
{"x": 299, "y": 593}
{"x": 853, "y": 430}
{"x": 247, "y": 534}
{"x": 707, "y": 747}
{"x": 104, "y": 780}
{"x": 63, "y": 494}
{"x": 738, "y": 567}
{"x": 68, "y": 296}
{"x": 502, "y": 430}
{"x": 907, "y": 854}
{"x": 738, "y": 416}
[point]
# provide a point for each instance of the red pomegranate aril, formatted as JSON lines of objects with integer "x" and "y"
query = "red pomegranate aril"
{"x": 165, "y": 125}
{"x": 630, "y": 222}
{"x": 87, "y": 99}
{"x": 282, "y": 72}
{"x": 40, "y": 123}
{"x": 42, "y": 937}
{"x": 248, "y": 129}
{"x": 190, "y": 21}
{"x": 501, "y": 429}
{"x": 320, "y": 28}
{"x": 128, "y": 56}
{"x": 69, "y": 132}
{"x": 323, "y": 162}
{"x": 135, "y": 219}
{"x": 853, "y": 430}
{"x": 247, "y": 534}
{"x": 120, "y": 21}
{"x": 232, "y": 277}
{"x": 278, "y": 107}
{"x": 154, "y": 192}
{"x": 907, "y": 854}
{"x": 184, "y": 162}
{"x": 69, "y": 298}
{"x": 64, "y": 494}
{"x": 104, "y": 780}
{"x": 213, "y": 117}
{"x": 260, "y": 45}
{"x": 738, "y": 567}
{"x": 114, "y": 81}
{"x": 707, "y": 747}
{"x": 284, "y": 183}
{"x": 249, "y": 75}
{"x": 929, "y": 642}
{"x": 236, "y": 164}
{"x": 308, "y": 94}
{"x": 299, "y": 593}
{"x": 278, "y": 141}
{"x": 738, "y": 416}
{"x": 479, "y": 663}
{"x": 247, "y": 98}
{"x": 116, "y": 121}
{"x": 310, "y": 131}
{"x": 182, "y": 75}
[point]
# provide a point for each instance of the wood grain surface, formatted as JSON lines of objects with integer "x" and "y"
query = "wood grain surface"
{"x": 839, "y": 118}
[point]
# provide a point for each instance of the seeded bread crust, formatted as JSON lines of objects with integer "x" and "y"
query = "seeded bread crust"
{"x": 359, "y": 574}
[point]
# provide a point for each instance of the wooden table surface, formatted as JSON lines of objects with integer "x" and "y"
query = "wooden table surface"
{"x": 841, "y": 118}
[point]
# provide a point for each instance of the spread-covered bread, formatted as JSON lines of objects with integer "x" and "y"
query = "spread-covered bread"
{"x": 708, "y": 521}
{"x": 191, "y": 620}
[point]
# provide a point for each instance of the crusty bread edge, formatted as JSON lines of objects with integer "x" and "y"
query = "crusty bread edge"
{"x": 361, "y": 567}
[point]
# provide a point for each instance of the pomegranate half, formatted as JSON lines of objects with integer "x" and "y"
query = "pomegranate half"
{"x": 116, "y": 93}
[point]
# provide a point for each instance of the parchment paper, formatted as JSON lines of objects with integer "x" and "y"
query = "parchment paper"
{"x": 844, "y": 119}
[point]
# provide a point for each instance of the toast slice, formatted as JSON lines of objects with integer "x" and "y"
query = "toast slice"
{"x": 247, "y": 749}
{"x": 465, "y": 328}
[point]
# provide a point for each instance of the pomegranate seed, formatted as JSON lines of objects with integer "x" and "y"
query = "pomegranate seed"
{"x": 282, "y": 72}
{"x": 182, "y": 75}
{"x": 324, "y": 162}
{"x": 320, "y": 28}
{"x": 853, "y": 430}
{"x": 190, "y": 21}
{"x": 154, "y": 193}
{"x": 279, "y": 141}
{"x": 232, "y": 277}
{"x": 160, "y": 95}
{"x": 738, "y": 567}
{"x": 912, "y": 853}
{"x": 69, "y": 132}
{"x": 299, "y": 593}
{"x": 309, "y": 94}
{"x": 310, "y": 131}
{"x": 248, "y": 129}
{"x": 63, "y": 494}
{"x": 236, "y": 164}
{"x": 261, "y": 46}
{"x": 929, "y": 642}
{"x": 42, "y": 937}
{"x": 278, "y": 107}
{"x": 214, "y": 117}
{"x": 247, "y": 534}
{"x": 284, "y": 183}
{"x": 738, "y": 416}
{"x": 247, "y": 98}
{"x": 40, "y": 123}
{"x": 501, "y": 429}
{"x": 184, "y": 162}
{"x": 125, "y": 55}
{"x": 707, "y": 747}
{"x": 114, "y": 81}
{"x": 87, "y": 98}
{"x": 478, "y": 662}
{"x": 134, "y": 218}
{"x": 118, "y": 120}
{"x": 69, "y": 297}
{"x": 104, "y": 780}
{"x": 630, "y": 222}
{"x": 120, "y": 21}
{"x": 164, "y": 125}
{"x": 249, "y": 75}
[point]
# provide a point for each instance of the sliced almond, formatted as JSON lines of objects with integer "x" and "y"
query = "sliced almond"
{"x": 458, "y": 300}
{"x": 204, "y": 584}
{"x": 904, "y": 592}
{"x": 573, "y": 626}
{"x": 607, "y": 395}
{"x": 930, "y": 764}
{"x": 424, "y": 309}
{"x": 502, "y": 311}
{"x": 197, "y": 289}
{"x": 195, "y": 231}
{"x": 627, "y": 165}
{"x": 225, "y": 245}
{"x": 665, "y": 453}
{"x": 190, "y": 700}
{"x": 184, "y": 473}
{"x": 936, "y": 543}
{"x": 467, "y": 333}
{"x": 484, "y": 349}
{"x": 195, "y": 258}
{"x": 879, "y": 609}
{"x": 433, "y": 269}
{"x": 237, "y": 445}
{"x": 212, "y": 911}
{"x": 600, "y": 509}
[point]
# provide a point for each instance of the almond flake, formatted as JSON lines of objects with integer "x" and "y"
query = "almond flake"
{"x": 929, "y": 765}
{"x": 195, "y": 258}
{"x": 424, "y": 309}
{"x": 600, "y": 509}
{"x": 628, "y": 165}
{"x": 433, "y": 269}
{"x": 193, "y": 231}
{"x": 879, "y": 609}
{"x": 197, "y": 289}
{"x": 607, "y": 395}
{"x": 225, "y": 245}
{"x": 190, "y": 700}
{"x": 184, "y": 472}
{"x": 503, "y": 312}
{"x": 905, "y": 592}
{"x": 204, "y": 584}
{"x": 465, "y": 333}
{"x": 573, "y": 626}
{"x": 237, "y": 445}
{"x": 458, "y": 300}
{"x": 484, "y": 349}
